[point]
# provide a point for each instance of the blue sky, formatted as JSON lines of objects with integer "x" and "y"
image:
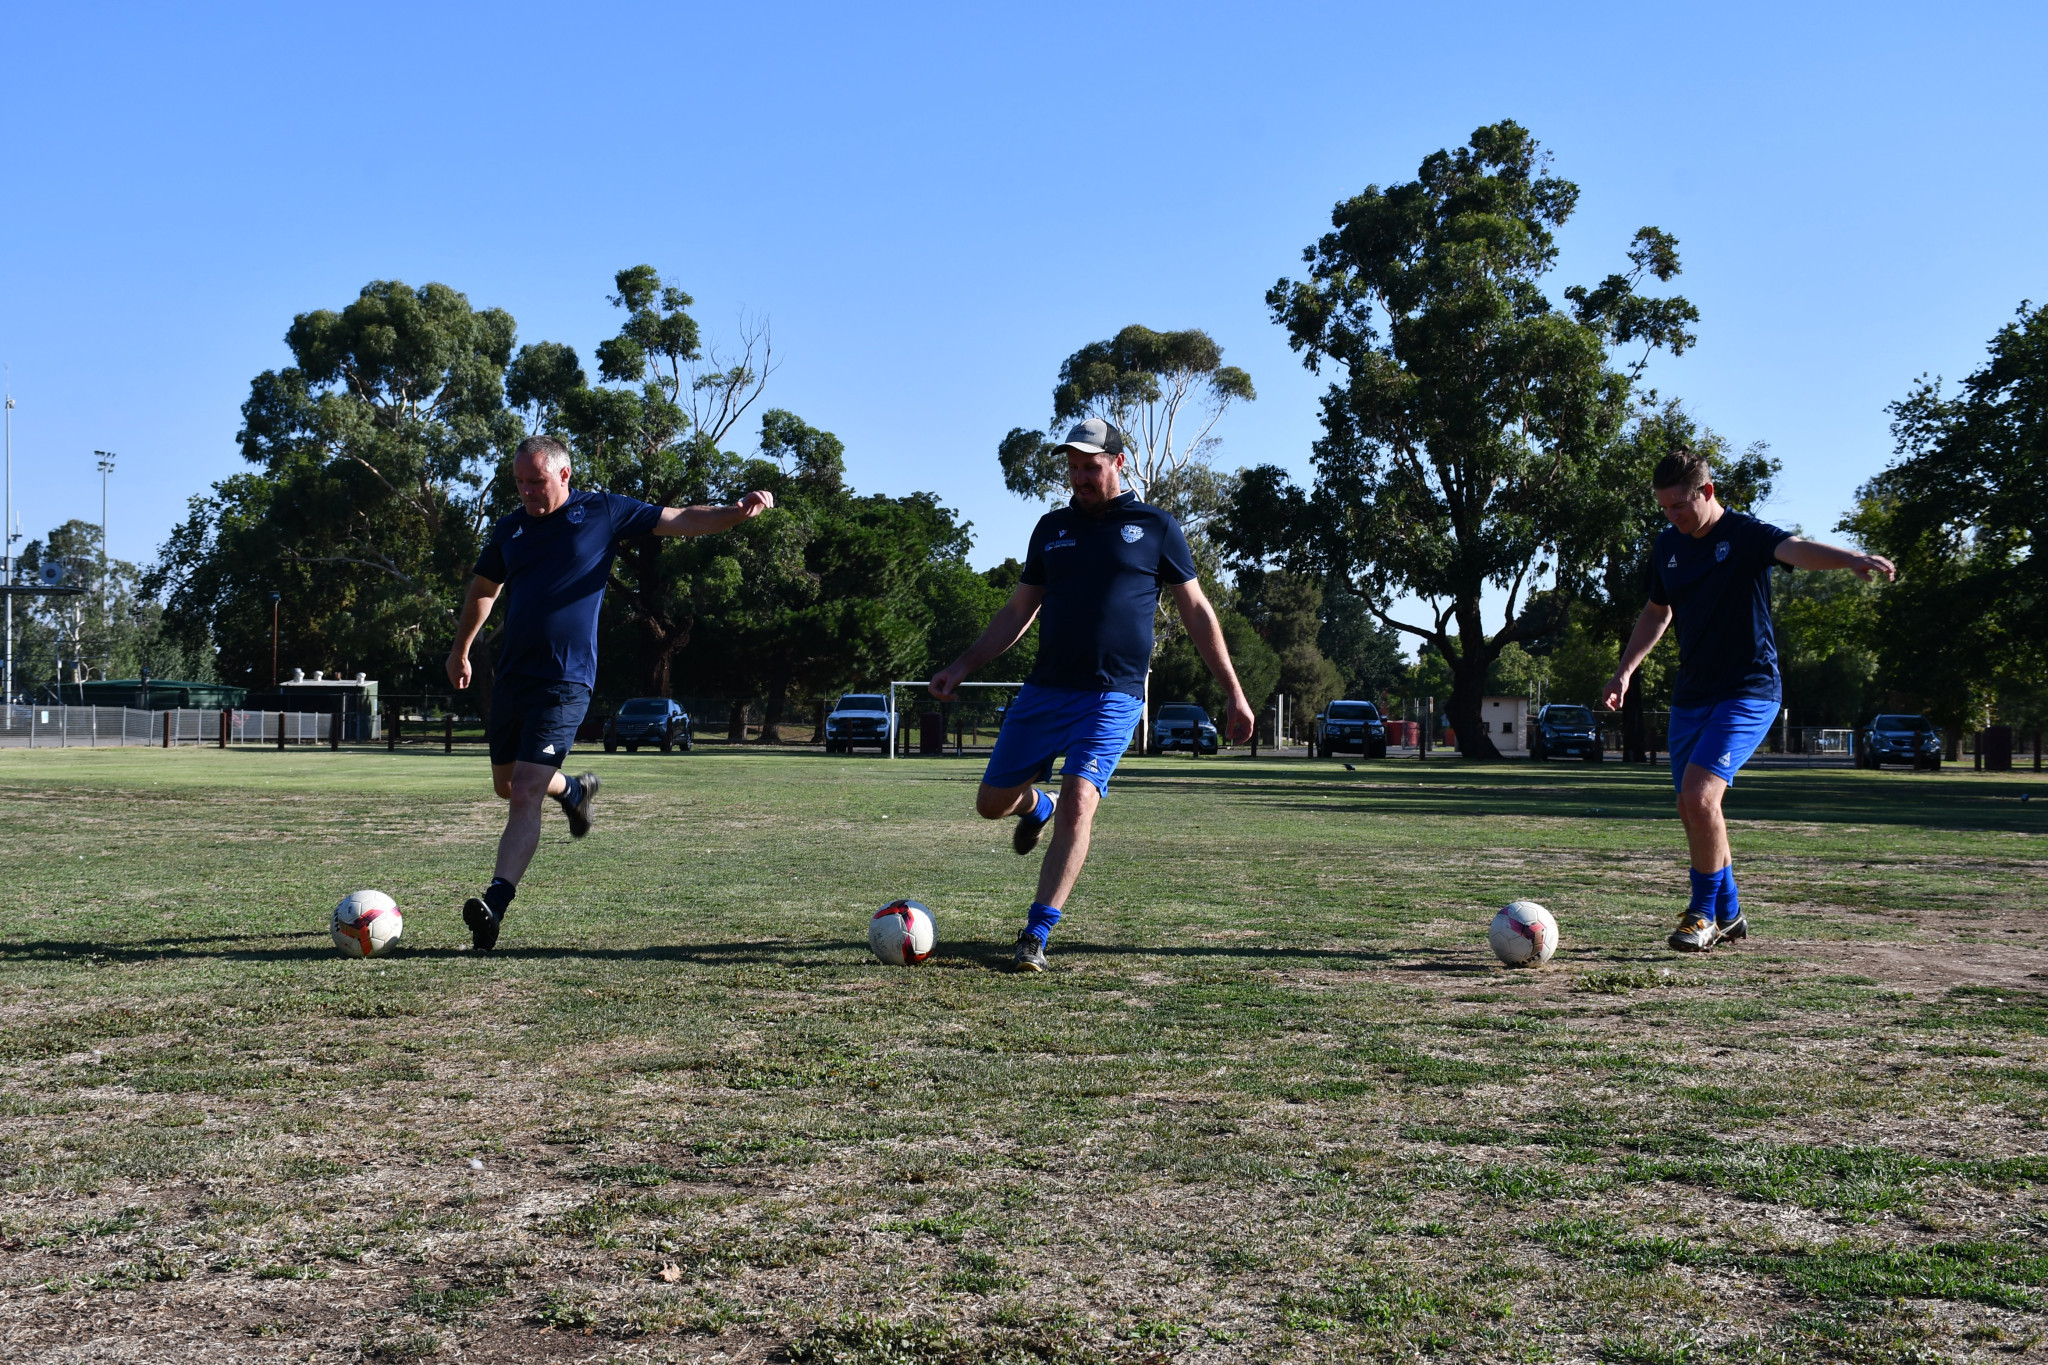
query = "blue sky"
{"x": 933, "y": 205}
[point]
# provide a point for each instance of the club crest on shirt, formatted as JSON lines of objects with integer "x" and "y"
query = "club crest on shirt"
{"x": 1720, "y": 551}
{"x": 1133, "y": 534}
{"x": 575, "y": 515}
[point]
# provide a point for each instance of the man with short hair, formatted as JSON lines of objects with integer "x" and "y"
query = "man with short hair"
{"x": 1095, "y": 567}
{"x": 552, "y": 559}
{"x": 1710, "y": 572}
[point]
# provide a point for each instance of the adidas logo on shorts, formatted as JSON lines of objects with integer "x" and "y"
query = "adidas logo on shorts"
{"x": 551, "y": 748}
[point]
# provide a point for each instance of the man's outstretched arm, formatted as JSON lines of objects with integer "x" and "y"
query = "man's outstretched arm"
{"x": 1207, "y": 633}
{"x": 1005, "y": 628}
{"x": 476, "y": 609}
{"x": 703, "y": 521}
{"x": 1813, "y": 554}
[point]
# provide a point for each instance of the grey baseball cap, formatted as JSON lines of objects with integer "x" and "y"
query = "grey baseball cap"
{"x": 1094, "y": 437}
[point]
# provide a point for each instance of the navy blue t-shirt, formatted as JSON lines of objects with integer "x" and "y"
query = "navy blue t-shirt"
{"x": 554, "y": 569}
{"x": 1719, "y": 590}
{"x": 1102, "y": 577}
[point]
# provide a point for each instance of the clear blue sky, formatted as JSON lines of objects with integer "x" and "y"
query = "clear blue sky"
{"x": 933, "y": 206}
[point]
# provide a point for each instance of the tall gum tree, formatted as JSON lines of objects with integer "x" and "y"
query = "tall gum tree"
{"x": 1469, "y": 411}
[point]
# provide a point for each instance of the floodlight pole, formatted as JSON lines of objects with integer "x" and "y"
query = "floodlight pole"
{"x": 273, "y": 640}
{"x": 7, "y": 539}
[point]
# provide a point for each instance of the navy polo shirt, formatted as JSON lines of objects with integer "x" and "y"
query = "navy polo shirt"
{"x": 554, "y": 569}
{"x": 1719, "y": 590}
{"x": 1102, "y": 576}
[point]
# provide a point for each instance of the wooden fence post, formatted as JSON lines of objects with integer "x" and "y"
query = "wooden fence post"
{"x": 448, "y": 733}
{"x": 227, "y": 721}
{"x": 391, "y": 733}
{"x": 334, "y": 731}
{"x": 280, "y": 732}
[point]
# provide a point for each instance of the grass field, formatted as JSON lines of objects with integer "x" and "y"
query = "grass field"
{"x": 1275, "y": 1101}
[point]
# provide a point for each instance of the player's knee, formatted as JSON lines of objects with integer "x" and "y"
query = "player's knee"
{"x": 1695, "y": 803}
{"x": 528, "y": 791}
{"x": 994, "y": 803}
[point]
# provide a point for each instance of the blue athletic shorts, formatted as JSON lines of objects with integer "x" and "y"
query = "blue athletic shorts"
{"x": 534, "y": 722}
{"x": 1091, "y": 728}
{"x": 1720, "y": 738}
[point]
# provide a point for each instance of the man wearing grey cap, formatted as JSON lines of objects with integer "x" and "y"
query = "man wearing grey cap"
{"x": 1094, "y": 569}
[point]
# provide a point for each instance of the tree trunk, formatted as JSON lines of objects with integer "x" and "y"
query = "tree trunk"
{"x": 1468, "y": 689}
{"x": 818, "y": 721}
{"x": 1635, "y": 742}
{"x": 771, "y": 713}
{"x": 736, "y": 722}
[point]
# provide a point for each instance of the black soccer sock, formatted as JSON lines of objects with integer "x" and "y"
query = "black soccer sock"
{"x": 498, "y": 895}
{"x": 570, "y": 795}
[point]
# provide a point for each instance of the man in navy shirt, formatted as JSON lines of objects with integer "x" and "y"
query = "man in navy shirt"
{"x": 1710, "y": 572}
{"x": 1094, "y": 569}
{"x": 552, "y": 559}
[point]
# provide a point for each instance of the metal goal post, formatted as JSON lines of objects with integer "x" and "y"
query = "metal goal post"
{"x": 926, "y": 682}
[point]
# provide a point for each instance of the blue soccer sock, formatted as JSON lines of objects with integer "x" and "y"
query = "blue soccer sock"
{"x": 1727, "y": 901}
{"x": 573, "y": 794}
{"x": 1706, "y": 893}
{"x": 1041, "y": 811}
{"x": 498, "y": 895}
{"x": 1042, "y": 918}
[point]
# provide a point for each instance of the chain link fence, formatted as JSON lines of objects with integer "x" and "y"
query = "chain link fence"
{"x": 97, "y": 727}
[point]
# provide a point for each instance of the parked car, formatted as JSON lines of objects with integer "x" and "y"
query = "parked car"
{"x": 648, "y": 720}
{"x": 1183, "y": 725}
{"x": 1898, "y": 739}
{"x": 859, "y": 718}
{"x": 1566, "y": 732}
{"x": 1352, "y": 727}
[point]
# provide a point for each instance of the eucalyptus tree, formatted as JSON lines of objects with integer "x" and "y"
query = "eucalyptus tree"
{"x": 1165, "y": 391}
{"x": 1468, "y": 413}
{"x": 373, "y": 455}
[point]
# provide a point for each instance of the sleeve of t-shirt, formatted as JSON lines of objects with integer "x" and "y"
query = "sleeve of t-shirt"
{"x": 1034, "y": 561}
{"x": 1176, "y": 561}
{"x": 491, "y": 563}
{"x": 1763, "y": 540}
{"x": 631, "y": 517}
{"x": 1657, "y": 593}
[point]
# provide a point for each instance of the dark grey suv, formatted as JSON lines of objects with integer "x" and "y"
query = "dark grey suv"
{"x": 1351, "y": 727}
{"x": 1183, "y": 725}
{"x": 1898, "y": 739}
{"x": 648, "y": 720}
{"x": 1566, "y": 732}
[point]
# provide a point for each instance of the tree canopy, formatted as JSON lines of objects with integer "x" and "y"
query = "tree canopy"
{"x": 1469, "y": 413}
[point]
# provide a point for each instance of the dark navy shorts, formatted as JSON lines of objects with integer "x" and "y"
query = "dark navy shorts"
{"x": 1092, "y": 729}
{"x": 534, "y": 722}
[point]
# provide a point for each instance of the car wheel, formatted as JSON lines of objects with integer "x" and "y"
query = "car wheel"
{"x": 1322, "y": 751}
{"x": 632, "y": 748}
{"x": 1379, "y": 750}
{"x": 611, "y": 746}
{"x": 1598, "y": 755}
{"x": 686, "y": 744}
{"x": 668, "y": 746}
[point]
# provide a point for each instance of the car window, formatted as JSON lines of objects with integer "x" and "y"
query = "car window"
{"x": 645, "y": 706}
{"x": 861, "y": 702}
{"x": 1917, "y": 724}
{"x": 1194, "y": 713}
{"x": 1352, "y": 710}
{"x": 1568, "y": 715}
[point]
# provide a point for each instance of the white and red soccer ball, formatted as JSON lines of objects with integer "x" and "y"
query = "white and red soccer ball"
{"x": 902, "y": 933}
{"x": 366, "y": 924}
{"x": 1523, "y": 934}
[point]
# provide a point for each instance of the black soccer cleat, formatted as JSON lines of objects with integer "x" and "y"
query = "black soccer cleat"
{"x": 1737, "y": 928}
{"x": 483, "y": 923}
{"x": 579, "y": 814}
{"x": 1029, "y": 827}
{"x": 1030, "y": 955}
{"x": 1696, "y": 933}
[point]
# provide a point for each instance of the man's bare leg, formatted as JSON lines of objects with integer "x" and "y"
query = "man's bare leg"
{"x": 524, "y": 785}
{"x": 1072, "y": 826}
{"x": 1699, "y": 806}
{"x": 1714, "y": 909}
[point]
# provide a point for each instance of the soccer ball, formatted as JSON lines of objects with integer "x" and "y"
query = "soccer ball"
{"x": 1523, "y": 934}
{"x": 366, "y": 924}
{"x": 902, "y": 933}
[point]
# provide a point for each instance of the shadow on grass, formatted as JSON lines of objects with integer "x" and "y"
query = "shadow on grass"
{"x": 993, "y": 956}
{"x": 1825, "y": 796}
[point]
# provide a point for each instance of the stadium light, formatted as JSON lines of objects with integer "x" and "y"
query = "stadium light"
{"x": 273, "y": 640}
{"x": 106, "y": 468}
